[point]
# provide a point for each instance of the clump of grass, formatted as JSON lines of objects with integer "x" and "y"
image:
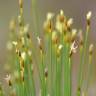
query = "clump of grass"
{"x": 54, "y": 58}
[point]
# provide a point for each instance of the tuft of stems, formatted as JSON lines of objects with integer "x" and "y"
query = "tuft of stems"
{"x": 53, "y": 54}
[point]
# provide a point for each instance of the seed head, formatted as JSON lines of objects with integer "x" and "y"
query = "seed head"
{"x": 60, "y": 21}
{"x": 80, "y": 35}
{"x": 21, "y": 64}
{"x": 73, "y": 48}
{"x": 18, "y": 52}
{"x": 74, "y": 33}
{"x": 23, "y": 55}
{"x": 59, "y": 49}
{"x": 54, "y": 37}
{"x": 91, "y": 49}
{"x": 61, "y": 12}
{"x": 21, "y": 6}
{"x": 14, "y": 43}
{"x": 20, "y": 3}
{"x": 20, "y": 20}
{"x": 48, "y": 26}
{"x": 39, "y": 42}
{"x": 50, "y": 16}
{"x": 46, "y": 72}
{"x": 8, "y": 79}
{"x": 59, "y": 26}
{"x": 88, "y": 16}
{"x": 69, "y": 22}
{"x": 61, "y": 16}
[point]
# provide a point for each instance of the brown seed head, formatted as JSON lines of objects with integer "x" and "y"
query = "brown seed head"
{"x": 59, "y": 50}
{"x": 8, "y": 80}
{"x": 91, "y": 49}
{"x": 61, "y": 16}
{"x": 40, "y": 43}
{"x": 55, "y": 37}
{"x": 46, "y": 72}
{"x": 69, "y": 23}
{"x": 88, "y": 17}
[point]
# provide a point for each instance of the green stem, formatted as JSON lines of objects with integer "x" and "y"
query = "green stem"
{"x": 61, "y": 63}
{"x": 70, "y": 77}
{"x": 28, "y": 71}
{"x": 43, "y": 88}
{"x": 35, "y": 17}
{"x": 32, "y": 83}
{"x": 89, "y": 72}
{"x": 51, "y": 66}
{"x": 56, "y": 72}
{"x": 82, "y": 62}
{"x": 80, "y": 74}
{"x": 66, "y": 73}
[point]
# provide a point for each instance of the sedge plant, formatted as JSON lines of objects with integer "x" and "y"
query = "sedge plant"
{"x": 51, "y": 56}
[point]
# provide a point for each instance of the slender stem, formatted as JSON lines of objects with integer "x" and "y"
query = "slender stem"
{"x": 85, "y": 45}
{"x": 80, "y": 74}
{"x": 70, "y": 77}
{"x": 51, "y": 61}
{"x": 50, "y": 67}
{"x": 56, "y": 71}
{"x": 28, "y": 71}
{"x": 89, "y": 71}
{"x": 35, "y": 17}
{"x": 43, "y": 81}
{"x": 82, "y": 61}
{"x": 66, "y": 73}
{"x": 32, "y": 83}
{"x": 60, "y": 67}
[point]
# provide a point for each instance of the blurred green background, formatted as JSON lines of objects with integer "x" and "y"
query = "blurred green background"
{"x": 76, "y": 9}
